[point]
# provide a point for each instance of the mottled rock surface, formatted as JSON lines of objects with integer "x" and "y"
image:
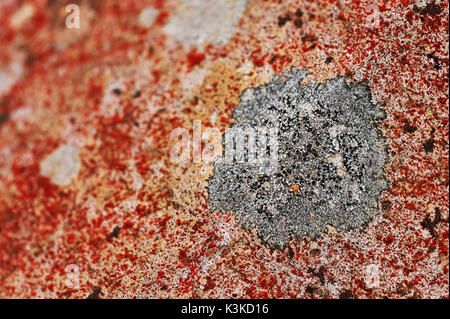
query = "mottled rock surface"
{"x": 92, "y": 204}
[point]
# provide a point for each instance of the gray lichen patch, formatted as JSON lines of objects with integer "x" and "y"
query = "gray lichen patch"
{"x": 331, "y": 159}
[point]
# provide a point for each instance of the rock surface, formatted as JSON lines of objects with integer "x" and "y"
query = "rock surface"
{"x": 125, "y": 221}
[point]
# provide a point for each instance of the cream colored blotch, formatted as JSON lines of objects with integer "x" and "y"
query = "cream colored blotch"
{"x": 62, "y": 165}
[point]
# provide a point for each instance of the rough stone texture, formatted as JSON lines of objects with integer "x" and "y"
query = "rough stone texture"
{"x": 330, "y": 150}
{"x": 133, "y": 224}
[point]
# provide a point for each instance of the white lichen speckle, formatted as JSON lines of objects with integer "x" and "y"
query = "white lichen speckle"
{"x": 10, "y": 74}
{"x": 205, "y": 21}
{"x": 62, "y": 165}
{"x": 147, "y": 17}
{"x": 22, "y": 15}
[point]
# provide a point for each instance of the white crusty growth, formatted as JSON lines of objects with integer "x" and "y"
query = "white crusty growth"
{"x": 62, "y": 165}
{"x": 205, "y": 21}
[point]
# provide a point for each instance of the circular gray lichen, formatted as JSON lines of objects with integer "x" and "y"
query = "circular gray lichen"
{"x": 331, "y": 160}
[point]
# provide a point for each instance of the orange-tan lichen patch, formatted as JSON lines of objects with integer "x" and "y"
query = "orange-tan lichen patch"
{"x": 210, "y": 104}
{"x": 295, "y": 189}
